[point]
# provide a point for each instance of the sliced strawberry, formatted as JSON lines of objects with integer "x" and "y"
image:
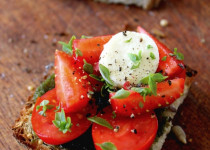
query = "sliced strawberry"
{"x": 71, "y": 84}
{"x": 171, "y": 66}
{"x": 167, "y": 93}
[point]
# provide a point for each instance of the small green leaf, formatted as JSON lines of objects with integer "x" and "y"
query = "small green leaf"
{"x": 114, "y": 115}
{"x": 138, "y": 90}
{"x": 158, "y": 77}
{"x": 88, "y": 68}
{"x": 141, "y": 105}
{"x": 61, "y": 122}
{"x": 44, "y": 102}
{"x": 127, "y": 41}
{"x": 149, "y": 46}
{"x": 121, "y": 94}
{"x": 85, "y": 37}
{"x": 57, "y": 108}
{"x": 107, "y": 146}
{"x": 100, "y": 121}
{"x": 152, "y": 85}
{"x": 133, "y": 57}
{"x": 37, "y": 107}
{"x": 67, "y": 47}
{"x": 152, "y": 55}
{"x": 78, "y": 52}
{"x": 164, "y": 58}
{"x": 136, "y": 65}
{"x": 95, "y": 77}
{"x": 179, "y": 56}
{"x": 105, "y": 74}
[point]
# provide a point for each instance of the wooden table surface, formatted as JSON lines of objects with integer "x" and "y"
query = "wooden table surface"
{"x": 29, "y": 30}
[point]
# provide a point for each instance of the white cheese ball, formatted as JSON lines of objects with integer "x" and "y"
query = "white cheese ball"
{"x": 115, "y": 57}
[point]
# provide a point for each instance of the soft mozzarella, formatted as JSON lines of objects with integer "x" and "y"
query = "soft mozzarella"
{"x": 115, "y": 57}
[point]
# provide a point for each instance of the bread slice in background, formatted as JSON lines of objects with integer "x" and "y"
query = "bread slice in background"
{"x": 23, "y": 132}
{"x": 145, "y": 4}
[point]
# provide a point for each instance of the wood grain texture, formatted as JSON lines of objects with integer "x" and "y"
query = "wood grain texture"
{"x": 29, "y": 31}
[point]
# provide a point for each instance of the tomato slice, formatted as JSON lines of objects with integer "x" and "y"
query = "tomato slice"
{"x": 167, "y": 93}
{"x": 171, "y": 66}
{"x": 48, "y": 132}
{"x": 144, "y": 127}
{"x": 71, "y": 88}
{"x": 91, "y": 48}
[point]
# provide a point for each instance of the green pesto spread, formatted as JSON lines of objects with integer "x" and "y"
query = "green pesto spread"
{"x": 45, "y": 86}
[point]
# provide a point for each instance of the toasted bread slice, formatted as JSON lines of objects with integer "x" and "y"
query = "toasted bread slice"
{"x": 145, "y": 4}
{"x": 23, "y": 132}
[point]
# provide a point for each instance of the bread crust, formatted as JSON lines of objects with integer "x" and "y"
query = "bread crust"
{"x": 23, "y": 132}
{"x": 145, "y": 4}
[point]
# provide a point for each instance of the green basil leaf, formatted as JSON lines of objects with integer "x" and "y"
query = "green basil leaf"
{"x": 64, "y": 124}
{"x": 121, "y": 94}
{"x": 105, "y": 74}
{"x": 152, "y": 85}
{"x": 152, "y": 55}
{"x": 180, "y": 56}
{"x": 149, "y": 46}
{"x": 107, "y": 146}
{"x": 95, "y": 77}
{"x": 114, "y": 115}
{"x": 44, "y": 102}
{"x": 133, "y": 57}
{"x": 85, "y": 37}
{"x": 127, "y": 41}
{"x": 78, "y": 52}
{"x": 37, "y": 107}
{"x": 100, "y": 121}
{"x": 68, "y": 47}
{"x": 141, "y": 105}
{"x": 158, "y": 77}
{"x": 88, "y": 68}
{"x": 136, "y": 65}
{"x": 144, "y": 80}
{"x": 164, "y": 58}
{"x": 138, "y": 90}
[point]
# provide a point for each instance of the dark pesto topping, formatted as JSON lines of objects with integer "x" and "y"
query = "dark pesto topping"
{"x": 45, "y": 86}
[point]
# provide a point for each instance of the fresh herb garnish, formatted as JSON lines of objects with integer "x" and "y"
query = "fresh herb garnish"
{"x": 164, "y": 58}
{"x": 135, "y": 59}
{"x": 100, "y": 121}
{"x": 88, "y": 68}
{"x": 149, "y": 46}
{"x": 178, "y": 55}
{"x": 127, "y": 41}
{"x": 107, "y": 146}
{"x": 45, "y": 107}
{"x": 142, "y": 91}
{"x": 114, "y": 115}
{"x": 141, "y": 105}
{"x": 152, "y": 55}
{"x": 57, "y": 108}
{"x": 121, "y": 94}
{"x": 151, "y": 81}
{"x": 78, "y": 52}
{"x": 96, "y": 77}
{"x": 157, "y": 77}
{"x": 67, "y": 47}
{"x": 85, "y": 37}
{"x": 64, "y": 124}
{"x": 105, "y": 74}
